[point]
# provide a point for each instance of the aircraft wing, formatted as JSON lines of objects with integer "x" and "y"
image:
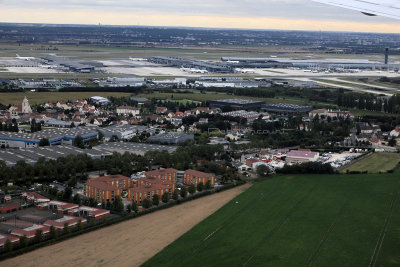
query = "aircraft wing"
{"x": 386, "y": 8}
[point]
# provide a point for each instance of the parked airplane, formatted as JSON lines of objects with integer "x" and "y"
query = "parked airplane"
{"x": 386, "y": 8}
{"x": 137, "y": 59}
{"x": 246, "y": 71}
{"x": 192, "y": 70}
{"x": 25, "y": 58}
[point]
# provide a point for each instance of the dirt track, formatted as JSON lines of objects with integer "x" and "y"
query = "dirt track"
{"x": 129, "y": 243}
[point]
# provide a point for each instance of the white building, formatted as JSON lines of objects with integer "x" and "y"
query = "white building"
{"x": 126, "y": 110}
{"x": 395, "y": 132}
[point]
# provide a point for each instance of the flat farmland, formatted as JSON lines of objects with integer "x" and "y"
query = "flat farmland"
{"x": 299, "y": 220}
{"x": 377, "y": 162}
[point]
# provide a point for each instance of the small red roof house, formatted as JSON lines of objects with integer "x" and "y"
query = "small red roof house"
{"x": 69, "y": 220}
{"x": 133, "y": 121}
{"x": 30, "y": 232}
{"x": 33, "y": 197}
{"x": 84, "y": 211}
{"x": 249, "y": 162}
{"x": 9, "y": 209}
{"x": 178, "y": 114}
{"x": 61, "y": 207}
{"x": 3, "y": 238}
{"x": 161, "y": 110}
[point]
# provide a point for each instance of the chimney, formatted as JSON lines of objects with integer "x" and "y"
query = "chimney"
{"x": 386, "y": 56}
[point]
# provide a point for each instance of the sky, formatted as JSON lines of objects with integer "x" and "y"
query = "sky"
{"x": 248, "y": 14}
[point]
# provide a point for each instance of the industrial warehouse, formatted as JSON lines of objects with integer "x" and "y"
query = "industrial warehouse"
{"x": 54, "y": 136}
{"x": 283, "y": 108}
{"x": 235, "y": 103}
{"x": 32, "y": 155}
{"x": 171, "y": 138}
{"x": 134, "y": 148}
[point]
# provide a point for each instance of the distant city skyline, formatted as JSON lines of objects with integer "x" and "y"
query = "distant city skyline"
{"x": 249, "y": 14}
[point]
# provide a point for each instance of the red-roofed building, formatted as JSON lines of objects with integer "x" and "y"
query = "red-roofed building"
{"x": 89, "y": 212}
{"x": 250, "y": 162}
{"x": 61, "y": 207}
{"x": 118, "y": 180}
{"x": 13, "y": 239}
{"x": 9, "y": 209}
{"x": 5, "y": 199}
{"x": 30, "y": 232}
{"x": 161, "y": 110}
{"x": 69, "y": 220}
{"x": 138, "y": 194}
{"x": 300, "y": 156}
{"x": 101, "y": 191}
{"x": 166, "y": 175}
{"x": 106, "y": 188}
{"x": 33, "y": 197}
{"x": 193, "y": 177}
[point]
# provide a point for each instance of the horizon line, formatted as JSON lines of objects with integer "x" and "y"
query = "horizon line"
{"x": 185, "y": 27}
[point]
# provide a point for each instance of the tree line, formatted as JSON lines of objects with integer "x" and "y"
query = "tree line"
{"x": 369, "y": 102}
{"x": 72, "y": 168}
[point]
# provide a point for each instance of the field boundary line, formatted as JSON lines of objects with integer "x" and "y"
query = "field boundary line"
{"x": 279, "y": 225}
{"x": 229, "y": 220}
{"x": 330, "y": 230}
{"x": 226, "y": 222}
{"x": 333, "y": 225}
{"x": 379, "y": 242}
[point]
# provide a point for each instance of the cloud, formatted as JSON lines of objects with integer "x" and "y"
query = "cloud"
{"x": 287, "y": 10}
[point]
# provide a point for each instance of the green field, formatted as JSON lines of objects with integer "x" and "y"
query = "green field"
{"x": 213, "y": 96}
{"x": 298, "y": 220}
{"x": 43, "y": 97}
{"x": 378, "y": 162}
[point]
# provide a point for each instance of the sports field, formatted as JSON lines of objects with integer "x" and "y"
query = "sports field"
{"x": 377, "y": 162}
{"x": 299, "y": 220}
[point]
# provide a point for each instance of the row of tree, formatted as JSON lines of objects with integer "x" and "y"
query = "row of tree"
{"x": 369, "y": 102}
{"x": 9, "y": 127}
{"x": 72, "y": 168}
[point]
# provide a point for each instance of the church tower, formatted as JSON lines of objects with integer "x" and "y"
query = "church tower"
{"x": 26, "y": 108}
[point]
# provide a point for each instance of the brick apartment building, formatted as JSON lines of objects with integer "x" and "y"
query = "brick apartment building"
{"x": 101, "y": 191}
{"x": 193, "y": 177}
{"x": 166, "y": 175}
{"x": 120, "y": 181}
{"x": 148, "y": 187}
{"x": 106, "y": 188}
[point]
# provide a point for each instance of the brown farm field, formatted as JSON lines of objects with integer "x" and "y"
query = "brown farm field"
{"x": 130, "y": 243}
{"x": 43, "y": 97}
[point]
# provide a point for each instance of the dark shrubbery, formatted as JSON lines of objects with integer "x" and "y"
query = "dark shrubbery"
{"x": 307, "y": 167}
